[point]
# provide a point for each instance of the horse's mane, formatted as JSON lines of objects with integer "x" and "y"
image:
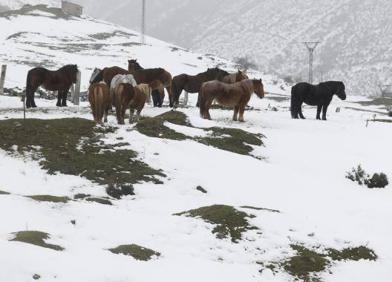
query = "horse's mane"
{"x": 69, "y": 68}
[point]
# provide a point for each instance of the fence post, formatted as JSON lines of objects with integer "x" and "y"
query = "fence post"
{"x": 186, "y": 98}
{"x": 76, "y": 90}
{"x": 2, "y": 78}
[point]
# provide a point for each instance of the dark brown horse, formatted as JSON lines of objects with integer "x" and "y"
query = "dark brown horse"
{"x": 60, "y": 80}
{"x": 159, "y": 77}
{"x": 193, "y": 83}
{"x": 235, "y": 95}
{"x": 100, "y": 101}
{"x": 106, "y": 74}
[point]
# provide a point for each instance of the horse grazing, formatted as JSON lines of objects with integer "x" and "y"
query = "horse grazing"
{"x": 100, "y": 102}
{"x": 315, "y": 95}
{"x": 193, "y": 83}
{"x": 235, "y": 95}
{"x": 161, "y": 78}
{"x": 133, "y": 97}
{"x": 60, "y": 80}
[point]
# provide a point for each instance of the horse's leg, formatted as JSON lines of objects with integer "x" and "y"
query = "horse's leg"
{"x": 209, "y": 103}
{"x": 319, "y": 107}
{"x": 59, "y": 96}
{"x": 242, "y": 110}
{"x": 106, "y": 113}
{"x": 131, "y": 112}
{"x": 236, "y": 109}
{"x": 325, "y": 109}
{"x": 301, "y": 115}
{"x": 64, "y": 98}
{"x": 169, "y": 91}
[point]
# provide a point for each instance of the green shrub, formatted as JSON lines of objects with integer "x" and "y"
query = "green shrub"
{"x": 378, "y": 180}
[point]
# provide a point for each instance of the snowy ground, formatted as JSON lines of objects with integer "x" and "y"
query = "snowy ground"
{"x": 303, "y": 176}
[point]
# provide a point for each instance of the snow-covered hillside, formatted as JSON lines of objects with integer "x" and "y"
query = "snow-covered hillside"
{"x": 46, "y": 37}
{"x": 355, "y": 35}
{"x": 264, "y": 200}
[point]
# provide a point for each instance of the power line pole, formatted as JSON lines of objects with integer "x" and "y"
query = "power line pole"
{"x": 143, "y": 29}
{"x": 311, "y": 46}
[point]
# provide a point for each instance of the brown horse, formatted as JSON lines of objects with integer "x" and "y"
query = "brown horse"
{"x": 235, "y": 95}
{"x": 193, "y": 83}
{"x": 60, "y": 80}
{"x": 107, "y": 74}
{"x": 147, "y": 76}
{"x": 133, "y": 97}
{"x": 100, "y": 102}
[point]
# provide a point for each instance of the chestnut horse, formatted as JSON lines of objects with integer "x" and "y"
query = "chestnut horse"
{"x": 193, "y": 83}
{"x": 100, "y": 102}
{"x": 147, "y": 76}
{"x": 235, "y": 95}
{"x": 133, "y": 97}
{"x": 60, "y": 80}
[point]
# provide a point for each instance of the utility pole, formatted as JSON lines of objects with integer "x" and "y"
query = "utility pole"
{"x": 311, "y": 46}
{"x": 143, "y": 29}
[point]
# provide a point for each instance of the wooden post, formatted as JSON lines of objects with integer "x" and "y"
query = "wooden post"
{"x": 2, "y": 78}
{"x": 76, "y": 90}
{"x": 186, "y": 98}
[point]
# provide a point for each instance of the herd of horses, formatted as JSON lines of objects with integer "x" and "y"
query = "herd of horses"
{"x": 132, "y": 88}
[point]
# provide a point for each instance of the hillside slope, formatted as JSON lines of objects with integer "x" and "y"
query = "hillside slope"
{"x": 355, "y": 35}
{"x": 40, "y": 36}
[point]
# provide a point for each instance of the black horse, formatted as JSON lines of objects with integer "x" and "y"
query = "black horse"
{"x": 60, "y": 80}
{"x": 315, "y": 95}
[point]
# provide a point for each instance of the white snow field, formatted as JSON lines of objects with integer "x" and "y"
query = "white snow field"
{"x": 300, "y": 172}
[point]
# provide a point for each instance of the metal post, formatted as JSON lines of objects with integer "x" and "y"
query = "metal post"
{"x": 2, "y": 78}
{"x": 143, "y": 29}
{"x": 76, "y": 90}
{"x": 311, "y": 46}
{"x": 186, "y": 98}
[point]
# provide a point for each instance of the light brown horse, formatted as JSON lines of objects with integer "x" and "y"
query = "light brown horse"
{"x": 130, "y": 97}
{"x": 235, "y": 95}
{"x": 100, "y": 102}
{"x": 150, "y": 75}
{"x": 235, "y": 77}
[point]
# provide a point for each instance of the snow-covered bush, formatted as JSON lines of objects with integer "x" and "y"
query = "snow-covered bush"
{"x": 378, "y": 180}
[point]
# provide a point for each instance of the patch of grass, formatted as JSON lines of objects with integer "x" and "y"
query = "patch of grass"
{"x": 49, "y": 198}
{"x": 73, "y": 146}
{"x": 354, "y": 254}
{"x": 135, "y": 251}
{"x": 305, "y": 264}
{"x": 377, "y": 102}
{"x": 4, "y": 193}
{"x": 100, "y": 201}
{"x": 260, "y": 209}
{"x": 232, "y": 140}
{"x": 35, "y": 238}
{"x": 154, "y": 127}
{"x": 228, "y": 139}
{"x": 81, "y": 196}
{"x": 228, "y": 221}
{"x": 378, "y": 180}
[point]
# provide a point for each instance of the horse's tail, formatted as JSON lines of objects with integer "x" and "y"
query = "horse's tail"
{"x": 294, "y": 102}
{"x": 99, "y": 100}
{"x": 118, "y": 91}
{"x": 201, "y": 100}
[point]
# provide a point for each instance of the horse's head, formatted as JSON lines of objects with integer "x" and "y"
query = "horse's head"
{"x": 133, "y": 65}
{"x": 341, "y": 91}
{"x": 259, "y": 88}
{"x": 94, "y": 75}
